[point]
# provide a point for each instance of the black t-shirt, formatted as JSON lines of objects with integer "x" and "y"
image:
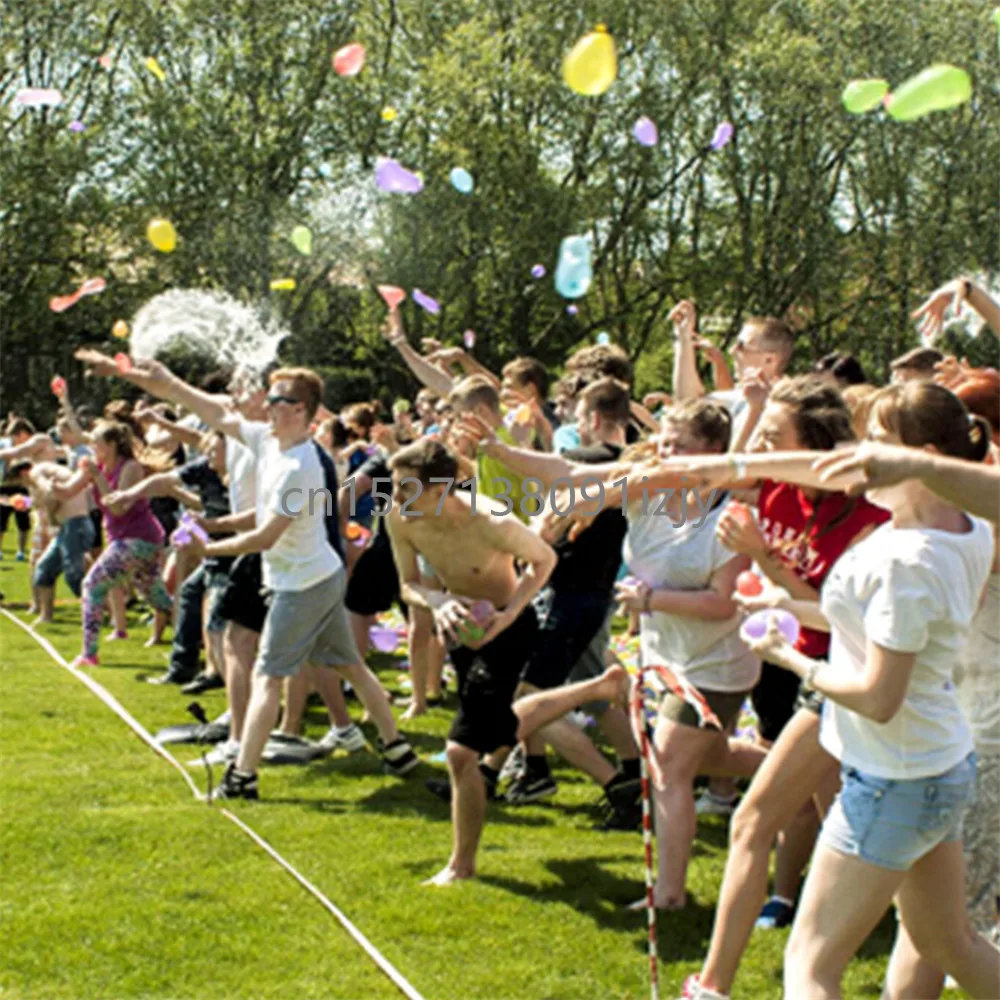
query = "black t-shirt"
{"x": 591, "y": 563}
{"x": 205, "y": 481}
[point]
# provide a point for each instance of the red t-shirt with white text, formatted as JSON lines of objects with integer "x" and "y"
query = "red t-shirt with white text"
{"x": 799, "y": 533}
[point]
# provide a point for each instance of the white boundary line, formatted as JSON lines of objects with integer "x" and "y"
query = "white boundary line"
{"x": 137, "y": 727}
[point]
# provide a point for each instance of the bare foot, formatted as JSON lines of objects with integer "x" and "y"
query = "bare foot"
{"x": 447, "y": 876}
{"x": 615, "y": 685}
{"x": 40, "y": 620}
{"x": 153, "y": 640}
{"x": 671, "y": 903}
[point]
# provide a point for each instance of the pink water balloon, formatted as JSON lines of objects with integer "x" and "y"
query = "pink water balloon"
{"x": 723, "y": 134}
{"x": 469, "y": 339}
{"x": 392, "y": 295}
{"x": 646, "y": 132}
{"x": 90, "y": 287}
{"x": 350, "y": 60}
{"x": 39, "y": 97}
{"x": 76, "y": 125}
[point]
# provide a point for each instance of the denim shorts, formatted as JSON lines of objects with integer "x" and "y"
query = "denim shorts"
{"x": 893, "y": 823}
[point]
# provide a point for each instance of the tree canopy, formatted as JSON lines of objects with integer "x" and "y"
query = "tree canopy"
{"x": 840, "y": 221}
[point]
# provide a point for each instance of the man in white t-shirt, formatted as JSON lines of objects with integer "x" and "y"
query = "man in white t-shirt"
{"x": 761, "y": 355}
{"x": 306, "y": 618}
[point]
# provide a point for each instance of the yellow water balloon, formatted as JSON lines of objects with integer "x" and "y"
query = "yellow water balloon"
{"x": 163, "y": 236}
{"x": 283, "y": 285}
{"x": 591, "y": 66}
{"x": 120, "y": 330}
{"x": 389, "y": 114}
{"x": 156, "y": 69}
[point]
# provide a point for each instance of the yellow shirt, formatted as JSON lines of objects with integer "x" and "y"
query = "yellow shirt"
{"x": 489, "y": 473}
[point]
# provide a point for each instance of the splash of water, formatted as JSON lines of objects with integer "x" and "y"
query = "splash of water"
{"x": 210, "y": 324}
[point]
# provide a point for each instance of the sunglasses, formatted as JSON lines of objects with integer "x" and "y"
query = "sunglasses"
{"x": 274, "y": 400}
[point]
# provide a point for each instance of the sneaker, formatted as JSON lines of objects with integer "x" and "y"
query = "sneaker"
{"x": 21, "y": 557}
{"x": 531, "y": 789}
{"x": 350, "y": 739}
{"x": 170, "y": 677}
{"x": 776, "y": 914}
{"x": 622, "y": 805}
{"x": 513, "y": 766}
{"x": 398, "y": 757}
{"x": 203, "y": 682}
{"x": 236, "y": 785}
{"x": 86, "y": 661}
{"x": 693, "y": 990}
{"x": 281, "y": 748}
{"x": 441, "y": 787}
{"x": 116, "y": 636}
{"x": 715, "y": 805}
{"x": 225, "y": 752}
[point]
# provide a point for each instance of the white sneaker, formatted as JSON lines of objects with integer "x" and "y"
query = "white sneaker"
{"x": 513, "y": 766}
{"x": 713, "y": 805}
{"x": 350, "y": 739}
{"x": 221, "y": 753}
{"x": 693, "y": 990}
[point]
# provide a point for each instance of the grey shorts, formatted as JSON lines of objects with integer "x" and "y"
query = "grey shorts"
{"x": 307, "y": 625}
{"x": 591, "y": 664}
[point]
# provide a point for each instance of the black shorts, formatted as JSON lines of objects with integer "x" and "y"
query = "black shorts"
{"x": 567, "y": 630}
{"x": 776, "y": 699}
{"x": 21, "y": 517}
{"x": 242, "y": 599}
{"x": 487, "y": 680}
{"x": 374, "y": 583}
{"x": 98, "y": 519}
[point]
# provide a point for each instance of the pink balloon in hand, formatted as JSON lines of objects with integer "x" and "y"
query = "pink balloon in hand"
{"x": 392, "y": 295}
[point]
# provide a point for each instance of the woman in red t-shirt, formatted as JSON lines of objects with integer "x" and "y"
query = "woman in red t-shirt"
{"x": 800, "y": 535}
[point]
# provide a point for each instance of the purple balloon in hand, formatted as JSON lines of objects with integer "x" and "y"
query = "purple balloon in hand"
{"x": 423, "y": 300}
{"x": 755, "y": 627}
{"x": 722, "y": 135}
{"x": 396, "y": 179}
{"x": 385, "y": 640}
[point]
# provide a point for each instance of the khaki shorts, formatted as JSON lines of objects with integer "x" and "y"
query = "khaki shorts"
{"x": 725, "y": 704}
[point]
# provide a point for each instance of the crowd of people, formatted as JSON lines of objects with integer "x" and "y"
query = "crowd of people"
{"x": 510, "y": 517}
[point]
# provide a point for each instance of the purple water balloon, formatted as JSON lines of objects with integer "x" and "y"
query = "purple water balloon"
{"x": 423, "y": 300}
{"x": 385, "y": 640}
{"x": 755, "y": 627}
{"x": 538, "y": 271}
{"x": 571, "y": 310}
{"x": 396, "y": 179}
{"x": 645, "y": 132}
{"x": 722, "y": 135}
{"x": 76, "y": 125}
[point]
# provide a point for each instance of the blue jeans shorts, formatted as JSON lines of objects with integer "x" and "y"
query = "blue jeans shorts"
{"x": 65, "y": 554}
{"x": 893, "y": 823}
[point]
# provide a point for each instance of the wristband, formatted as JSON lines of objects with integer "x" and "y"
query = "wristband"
{"x": 966, "y": 288}
{"x": 810, "y": 677}
{"x": 738, "y": 467}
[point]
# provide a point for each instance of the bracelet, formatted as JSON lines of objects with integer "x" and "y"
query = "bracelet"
{"x": 810, "y": 677}
{"x": 738, "y": 467}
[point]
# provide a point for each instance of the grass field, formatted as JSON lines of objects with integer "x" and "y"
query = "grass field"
{"x": 117, "y": 884}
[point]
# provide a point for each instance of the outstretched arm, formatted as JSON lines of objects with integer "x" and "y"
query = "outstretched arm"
{"x": 430, "y": 375}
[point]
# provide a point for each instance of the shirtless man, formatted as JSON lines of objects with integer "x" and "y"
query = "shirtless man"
{"x": 473, "y": 553}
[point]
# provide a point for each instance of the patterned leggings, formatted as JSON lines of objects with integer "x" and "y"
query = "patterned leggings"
{"x": 123, "y": 560}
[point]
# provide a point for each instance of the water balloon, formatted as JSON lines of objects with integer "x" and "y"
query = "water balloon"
{"x": 349, "y": 60}
{"x": 469, "y": 339}
{"x": 423, "y": 300}
{"x": 163, "y": 236}
{"x": 21, "y": 503}
{"x": 864, "y": 95}
{"x": 646, "y": 132}
{"x": 93, "y": 286}
{"x": 723, "y": 134}
{"x": 396, "y": 179}
{"x": 39, "y": 97}
{"x": 283, "y": 285}
{"x": 123, "y": 363}
{"x": 574, "y": 270}
{"x": 57, "y": 385}
{"x": 76, "y": 125}
{"x": 572, "y": 310}
{"x": 538, "y": 271}
{"x": 591, "y": 66}
{"x": 302, "y": 240}
{"x": 461, "y": 180}
{"x": 389, "y": 114}
{"x": 604, "y": 338}
{"x": 748, "y": 584}
{"x": 385, "y": 640}
{"x": 755, "y": 627}
{"x": 392, "y": 295}
{"x": 938, "y": 88}
{"x": 156, "y": 69}
{"x": 401, "y": 406}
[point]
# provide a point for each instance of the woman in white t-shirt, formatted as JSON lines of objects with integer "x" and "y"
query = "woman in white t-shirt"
{"x": 685, "y": 578}
{"x": 900, "y": 605}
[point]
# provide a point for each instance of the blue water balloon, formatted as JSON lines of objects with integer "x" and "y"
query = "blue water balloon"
{"x": 461, "y": 180}
{"x": 574, "y": 271}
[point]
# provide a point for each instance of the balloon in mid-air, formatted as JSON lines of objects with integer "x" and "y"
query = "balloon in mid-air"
{"x": 302, "y": 240}
{"x": 574, "y": 271}
{"x": 389, "y": 113}
{"x": 937, "y": 88}
{"x": 349, "y": 60}
{"x": 646, "y": 132}
{"x": 469, "y": 339}
{"x": 283, "y": 285}
{"x": 723, "y": 135}
{"x": 538, "y": 271}
{"x": 120, "y": 330}
{"x": 39, "y": 97}
{"x": 396, "y": 179}
{"x": 156, "y": 69}
{"x": 461, "y": 180}
{"x": 604, "y": 338}
{"x": 425, "y": 302}
{"x": 92, "y": 286}
{"x": 161, "y": 233}
{"x": 864, "y": 95}
{"x": 591, "y": 66}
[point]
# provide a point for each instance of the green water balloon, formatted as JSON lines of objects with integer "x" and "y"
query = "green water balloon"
{"x": 302, "y": 240}
{"x": 864, "y": 95}
{"x": 938, "y": 88}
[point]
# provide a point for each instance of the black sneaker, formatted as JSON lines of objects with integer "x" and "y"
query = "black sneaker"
{"x": 622, "y": 805}
{"x": 398, "y": 757}
{"x": 531, "y": 788}
{"x": 172, "y": 677}
{"x": 441, "y": 787}
{"x": 236, "y": 785}
{"x": 204, "y": 682}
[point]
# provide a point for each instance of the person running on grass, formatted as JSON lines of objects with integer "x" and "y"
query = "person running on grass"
{"x": 473, "y": 552}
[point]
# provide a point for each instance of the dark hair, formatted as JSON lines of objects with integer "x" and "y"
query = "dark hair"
{"x": 217, "y": 382}
{"x": 922, "y": 413}
{"x": 822, "y": 419}
{"x": 845, "y": 368}
{"x": 19, "y": 425}
{"x": 599, "y": 361}
{"x": 709, "y": 422}
{"x": 528, "y": 371}
{"x": 18, "y": 469}
{"x": 609, "y": 399}
{"x": 427, "y": 459}
{"x": 920, "y": 359}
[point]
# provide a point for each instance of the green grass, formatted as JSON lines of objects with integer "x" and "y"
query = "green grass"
{"x": 116, "y": 884}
